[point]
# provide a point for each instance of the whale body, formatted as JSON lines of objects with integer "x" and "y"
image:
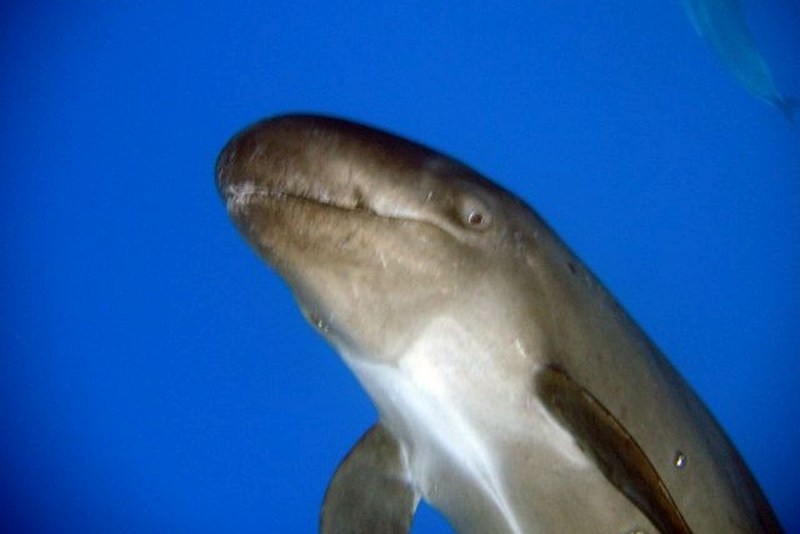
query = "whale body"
{"x": 514, "y": 393}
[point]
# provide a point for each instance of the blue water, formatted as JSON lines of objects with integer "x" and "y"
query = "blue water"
{"x": 156, "y": 377}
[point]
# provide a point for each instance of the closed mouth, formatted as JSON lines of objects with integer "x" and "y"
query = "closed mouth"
{"x": 241, "y": 196}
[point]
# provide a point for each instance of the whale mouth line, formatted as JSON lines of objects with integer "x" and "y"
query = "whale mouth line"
{"x": 242, "y": 196}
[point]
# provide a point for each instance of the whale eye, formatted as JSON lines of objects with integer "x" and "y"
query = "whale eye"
{"x": 475, "y": 216}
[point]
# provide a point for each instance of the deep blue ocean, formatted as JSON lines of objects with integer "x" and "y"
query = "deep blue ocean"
{"x": 155, "y": 376}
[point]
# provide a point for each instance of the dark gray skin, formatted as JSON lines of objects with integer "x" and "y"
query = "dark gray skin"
{"x": 514, "y": 393}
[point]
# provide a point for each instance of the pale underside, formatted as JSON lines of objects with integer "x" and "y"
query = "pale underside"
{"x": 474, "y": 436}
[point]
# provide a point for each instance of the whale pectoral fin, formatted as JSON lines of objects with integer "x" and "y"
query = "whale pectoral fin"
{"x": 615, "y": 451}
{"x": 370, "y": 491}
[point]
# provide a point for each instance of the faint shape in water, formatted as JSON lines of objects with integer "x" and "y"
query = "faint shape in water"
{"x": 722, "y": 23}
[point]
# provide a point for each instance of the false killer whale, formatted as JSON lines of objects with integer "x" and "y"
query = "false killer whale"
{"x": 514, "y": 393}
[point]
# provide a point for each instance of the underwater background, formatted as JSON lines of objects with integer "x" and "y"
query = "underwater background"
{"x": 155, "y": 376}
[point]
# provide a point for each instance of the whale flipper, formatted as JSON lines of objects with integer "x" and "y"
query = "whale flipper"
{"x": 616, "y": 452}
{"x": 370, "y": 491}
